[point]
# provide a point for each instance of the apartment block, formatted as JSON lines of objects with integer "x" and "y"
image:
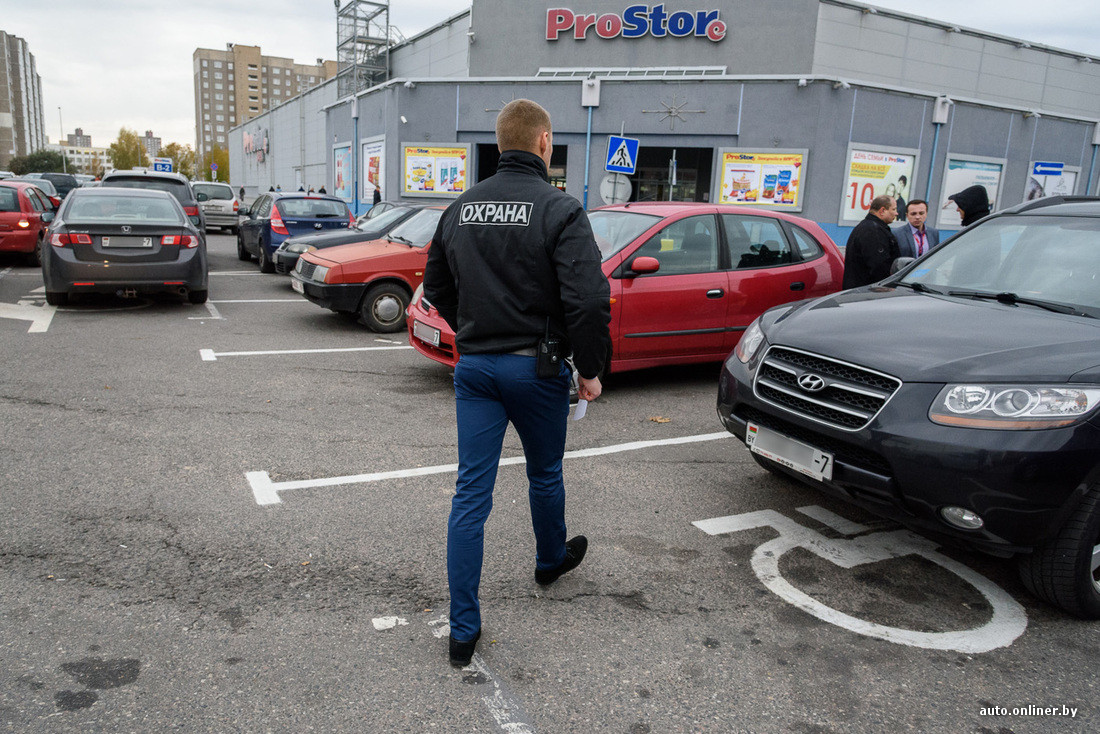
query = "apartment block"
{"x": 78, "y": 139}
{"x": 152, "y": 144}
{"x": 239, "y": 83}
{"x": 21, "y": 119}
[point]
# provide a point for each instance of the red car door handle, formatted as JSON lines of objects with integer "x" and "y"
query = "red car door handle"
{"x": 715, "y": 293}
{"x": 797, "y": 286}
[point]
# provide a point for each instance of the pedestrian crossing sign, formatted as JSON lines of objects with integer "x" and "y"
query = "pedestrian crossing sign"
{"x": 622, "y": 154}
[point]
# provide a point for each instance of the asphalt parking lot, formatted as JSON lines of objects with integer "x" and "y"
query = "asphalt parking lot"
{"x": 231, "y": 517}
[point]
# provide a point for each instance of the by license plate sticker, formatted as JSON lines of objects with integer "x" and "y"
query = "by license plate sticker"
{"x": 793, "y": 454}
{"x": 427, "y": 333}
{"x": 127, "y": 241}
{"x": 297, "y": 285}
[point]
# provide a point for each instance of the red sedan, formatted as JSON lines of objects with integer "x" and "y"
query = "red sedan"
{"x": 686, "y": 280}
{"x": 25, "y": 213}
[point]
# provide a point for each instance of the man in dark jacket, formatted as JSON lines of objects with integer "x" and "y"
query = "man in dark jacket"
{"x": 514, "y": 261}
{"x": 973, "y": 203}
{"x": 872, "y": 247}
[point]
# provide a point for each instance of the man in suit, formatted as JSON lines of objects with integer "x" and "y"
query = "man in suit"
{"x": 914, "y": 238}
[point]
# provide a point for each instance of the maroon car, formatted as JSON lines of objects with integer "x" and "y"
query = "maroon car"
{"x": 686, "y": 280}
{"x": 25, "y": 213}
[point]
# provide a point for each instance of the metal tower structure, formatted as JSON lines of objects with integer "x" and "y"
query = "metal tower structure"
{"x": 362, "y": 44}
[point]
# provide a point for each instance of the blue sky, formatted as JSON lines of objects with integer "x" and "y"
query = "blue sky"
{"x": 114, "y": 63}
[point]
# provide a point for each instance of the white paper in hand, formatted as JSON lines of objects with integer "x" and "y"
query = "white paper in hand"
{"x": 582, "y": 408}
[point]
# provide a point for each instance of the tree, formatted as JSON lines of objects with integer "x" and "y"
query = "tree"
{"x": 183, "y": 158}
{"x": 41, "y": 161}
{"x": 97, "y": 166}
{"x": 128, "y": 151}
{"x": 217, "y": 155}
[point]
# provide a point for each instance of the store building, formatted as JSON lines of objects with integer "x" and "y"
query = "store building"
{"x": 807, "y": 106}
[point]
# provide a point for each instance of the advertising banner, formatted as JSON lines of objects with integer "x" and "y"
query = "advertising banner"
{"x": 374, "y": 168}
{"x": 434, "y": 170}
{"x": 767, "y": 179}
{"x": 1050, "y": 179}
{"x": 963, "y": 172}
{"x": 874, "y": 171}
{"x": 341, "y": 167}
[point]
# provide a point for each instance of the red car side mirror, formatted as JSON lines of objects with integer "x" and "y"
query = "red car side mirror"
{"x": 645, "y": 265}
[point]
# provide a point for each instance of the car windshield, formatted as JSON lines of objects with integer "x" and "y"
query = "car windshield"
{"x": 313, "y": 208}
{"x": 121, "y": 208}
{"x": 1019, "y": 259}
{"x": 383, "y": 220}
{"x": 213, "y": 192}
{"x": 418, "y": 229}
{"x": 615, "y": 230}
{"x": 176, "y": 188}
{"x": 9, "y": 199}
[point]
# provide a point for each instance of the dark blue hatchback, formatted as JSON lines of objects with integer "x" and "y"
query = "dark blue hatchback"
{"x": 274, "y": 217}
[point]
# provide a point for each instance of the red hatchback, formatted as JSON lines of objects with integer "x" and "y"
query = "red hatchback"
{"x": 686, "y": 280}
{"x": 25, "y": 213}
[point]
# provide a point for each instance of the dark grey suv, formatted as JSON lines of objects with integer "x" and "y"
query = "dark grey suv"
{"x": 173, "y": 183}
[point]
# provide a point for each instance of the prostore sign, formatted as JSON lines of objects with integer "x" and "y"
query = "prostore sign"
{"x": 637, "y": 21}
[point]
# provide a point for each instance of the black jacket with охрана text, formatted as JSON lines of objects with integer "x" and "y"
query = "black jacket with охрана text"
{"x": 512, "y": 252}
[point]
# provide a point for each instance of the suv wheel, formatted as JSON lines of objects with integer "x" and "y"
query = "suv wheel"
{"x": 242, "y": 254}
{"x": 1065, "y": 571}
{"x": 383, "y": 308}
{"x": 266, "y": 266}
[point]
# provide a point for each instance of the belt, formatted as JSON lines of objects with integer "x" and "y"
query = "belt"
{"x": 527, "y": 352}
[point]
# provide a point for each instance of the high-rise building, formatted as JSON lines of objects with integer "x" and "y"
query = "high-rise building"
{"x": 78, "y": 139}
{"x": 152, "y": 145}
{"x": 235, "y": 85}
{"x": 21, "y": 119}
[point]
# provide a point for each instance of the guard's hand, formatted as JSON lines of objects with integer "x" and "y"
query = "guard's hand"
{"x": 589, "y": 389}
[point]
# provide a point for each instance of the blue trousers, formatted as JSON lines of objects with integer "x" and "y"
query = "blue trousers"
{"x": 490, "y": 391}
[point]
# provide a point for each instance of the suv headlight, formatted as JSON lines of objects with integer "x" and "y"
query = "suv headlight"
{"x": 1013, "y": 407}
{"x": 750, "y": 342}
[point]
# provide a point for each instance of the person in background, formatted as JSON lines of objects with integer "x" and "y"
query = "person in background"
{"x": 377, "y": 194}
{"x": 240, "y": 195}
{"x": 914, "y": 237}
{"x": 871, "y": 247}
{"x": 510, "y": 286}
{"x": 972, "y": 203}
{"x": 322, "y": 190}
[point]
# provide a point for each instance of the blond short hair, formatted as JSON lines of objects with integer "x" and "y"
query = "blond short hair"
{"x": 520, "y": 124}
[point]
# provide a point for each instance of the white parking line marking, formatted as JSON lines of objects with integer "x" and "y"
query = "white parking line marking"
{"x": 214, "y": 315}
{"x": 267, "y": 492}
{"x": 830, "y": 519}
{"x": 41, "y": 290}
{"x": 502, "y": 704}
{"x": 209, "y": 355}
{"x": 235, "y": 272}
{"x": 4, "y": 272}
{"x": 39, "y": 316}
{"x": 265, "y": 300}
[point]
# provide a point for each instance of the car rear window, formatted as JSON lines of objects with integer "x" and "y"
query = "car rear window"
{"x": 214, "y": 192}
{"x": 177, "y": 189}
{"x": 9, "y": 199}
{"x": 315, "y": 208}
{"x": 122, "y": 208}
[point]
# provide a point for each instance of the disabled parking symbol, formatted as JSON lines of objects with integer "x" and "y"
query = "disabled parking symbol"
{"x": 1007, "y": 622}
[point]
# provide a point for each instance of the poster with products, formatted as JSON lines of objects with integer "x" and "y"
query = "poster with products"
{"x": 962, "y": 172}
{"x": 766, "y": 179}
{"x": 341, "y": 171}
{"x": 875, "y": 171}
{"x": 434, "y": 170}
{"x": 374, "y": 168}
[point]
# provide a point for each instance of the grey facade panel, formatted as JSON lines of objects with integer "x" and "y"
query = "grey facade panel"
{"x": 443, "y": 52}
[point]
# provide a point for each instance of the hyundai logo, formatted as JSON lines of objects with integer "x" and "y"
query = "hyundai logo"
{"x": 811, "y": 382}
{"x": 317, "y": 225}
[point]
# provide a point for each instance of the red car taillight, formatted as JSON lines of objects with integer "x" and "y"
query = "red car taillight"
{"x": 64, "y": 238}
{"x": 183, "y": 240}
{"x": 277, "y": 225}
{"x": 236, "y": 206}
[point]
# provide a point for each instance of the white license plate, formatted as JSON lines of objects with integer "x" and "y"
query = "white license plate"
{"x": 297, "y": 285}
{"x": 127, "y": 241}
{"x": 427, "y": 333}
{"x": 793, "y": 454}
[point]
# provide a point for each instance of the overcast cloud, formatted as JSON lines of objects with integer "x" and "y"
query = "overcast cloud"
{"x": 127, "y": 63}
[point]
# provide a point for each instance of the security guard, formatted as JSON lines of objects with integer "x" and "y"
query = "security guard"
{"x": 515, "y": 271}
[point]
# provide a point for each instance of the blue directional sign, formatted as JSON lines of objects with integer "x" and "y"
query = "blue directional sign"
{"x": 622, "y": 154}
{"x": 162, "y": 164}
{"x": 1044, "y": 168}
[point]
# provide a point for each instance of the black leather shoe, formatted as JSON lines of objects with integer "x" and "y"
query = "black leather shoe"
{"x": 463, "y": 652}
{"x": 574, "y": 554}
